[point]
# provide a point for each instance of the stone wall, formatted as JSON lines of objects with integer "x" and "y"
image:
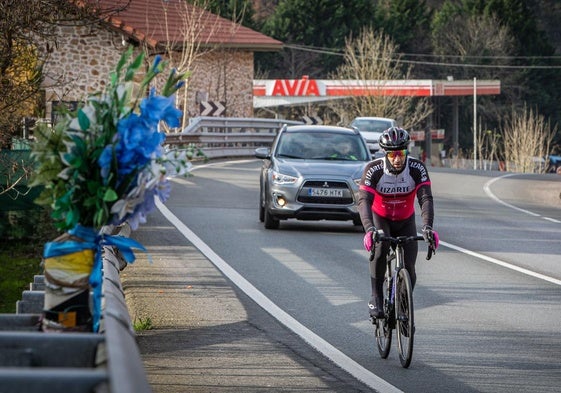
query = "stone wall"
{"x": 80, "y": 63}
{"x": 224, "y": 76}
{"x": 85, "y": 55}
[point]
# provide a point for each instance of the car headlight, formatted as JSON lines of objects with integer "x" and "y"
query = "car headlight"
{"x": 357, "y": 181}
{"x": 280, "y": 178}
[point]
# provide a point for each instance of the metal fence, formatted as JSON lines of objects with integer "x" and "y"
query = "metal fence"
{"x": 228, "y": 136}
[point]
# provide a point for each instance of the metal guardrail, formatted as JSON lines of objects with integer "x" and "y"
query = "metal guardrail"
{"x": 109, "y": 361}
{"x": 32, "y": 361}
{"x": 228, "y": 136}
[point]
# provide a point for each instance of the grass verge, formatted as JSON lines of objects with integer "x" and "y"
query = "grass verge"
{"x": 18, "y": 264}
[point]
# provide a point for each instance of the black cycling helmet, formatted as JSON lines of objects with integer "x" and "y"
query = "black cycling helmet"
{"x": 394, "y": 138}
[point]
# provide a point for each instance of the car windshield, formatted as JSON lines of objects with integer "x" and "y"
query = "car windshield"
{"x": 322, "y": 146}
{"x": 371, "y": 125}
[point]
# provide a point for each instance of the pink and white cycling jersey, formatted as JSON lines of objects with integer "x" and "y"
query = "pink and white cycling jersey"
{"x": 394, "y": 194}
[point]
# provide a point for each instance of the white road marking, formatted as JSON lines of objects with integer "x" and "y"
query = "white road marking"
{"x": 502, "y": 263}
{"x": 487, "y": 189}
{"x": 328, "y": 350}
{"x": 332, "y": 353}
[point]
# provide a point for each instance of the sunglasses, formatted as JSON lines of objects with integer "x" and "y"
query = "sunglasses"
{"x": 396, "y": 153}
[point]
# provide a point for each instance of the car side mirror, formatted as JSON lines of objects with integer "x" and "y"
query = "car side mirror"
{"x": 263, "y": 152}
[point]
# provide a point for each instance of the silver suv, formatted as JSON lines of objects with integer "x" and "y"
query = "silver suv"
{"x": 311, "y": 173}
{"x": 371, "y": 128}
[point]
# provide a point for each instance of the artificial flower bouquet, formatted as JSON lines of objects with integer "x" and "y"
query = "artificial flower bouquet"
{"x": 99, "y": 166}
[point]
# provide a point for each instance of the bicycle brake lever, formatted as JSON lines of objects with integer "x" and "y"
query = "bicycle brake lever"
{"x": 430, "y": 252}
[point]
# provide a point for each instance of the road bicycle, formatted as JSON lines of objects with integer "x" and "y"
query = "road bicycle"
{"x": 398, "y": 301}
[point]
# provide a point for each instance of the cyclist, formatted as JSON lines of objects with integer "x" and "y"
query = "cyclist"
{"x": 386, "y": 202}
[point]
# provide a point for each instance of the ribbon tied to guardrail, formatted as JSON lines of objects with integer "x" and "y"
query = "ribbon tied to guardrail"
{"x": 77, "y": 253}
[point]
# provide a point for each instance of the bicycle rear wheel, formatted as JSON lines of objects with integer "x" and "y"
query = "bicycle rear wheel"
{"x": 405, "y": 323}
{"x": 383, "y": 327}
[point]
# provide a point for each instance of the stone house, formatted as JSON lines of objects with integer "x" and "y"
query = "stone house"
{"x": 221, "y": 63}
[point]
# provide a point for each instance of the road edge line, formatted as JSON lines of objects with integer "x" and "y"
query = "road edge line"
{"x": 339, "y": 358}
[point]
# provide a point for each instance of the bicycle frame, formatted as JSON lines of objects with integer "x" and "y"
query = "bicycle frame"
{"x": 396, "y": 252}
{"x": 398, "y": 301}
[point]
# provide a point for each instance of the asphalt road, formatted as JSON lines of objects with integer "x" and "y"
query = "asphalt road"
{"x": 487, "y": 306}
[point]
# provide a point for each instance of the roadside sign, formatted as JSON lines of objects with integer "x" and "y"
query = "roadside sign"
{"x": 212, "y": 108}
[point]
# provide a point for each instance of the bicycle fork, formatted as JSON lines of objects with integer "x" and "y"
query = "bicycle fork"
{"x": 390, "y": 293}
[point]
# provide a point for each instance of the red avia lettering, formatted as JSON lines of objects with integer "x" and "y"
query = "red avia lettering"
{"x": 295, "y": 87}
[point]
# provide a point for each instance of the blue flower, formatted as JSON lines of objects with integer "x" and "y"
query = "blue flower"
{"x": 159, "y": 108}
{"x": 104, "y": 161}
{"x": 118, "y": 133}
{"x": 138, "y": 143}
{"x": 163, "y": 190}
{"x": 156, "y": 63}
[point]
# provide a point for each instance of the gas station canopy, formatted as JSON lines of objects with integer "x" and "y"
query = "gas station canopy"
{"x": 279, "y": 92}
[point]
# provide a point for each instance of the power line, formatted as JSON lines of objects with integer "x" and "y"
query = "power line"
{"x": 445, "y": 64}
{"x": 467, "y": 65}
{"x": 480, "y": 56}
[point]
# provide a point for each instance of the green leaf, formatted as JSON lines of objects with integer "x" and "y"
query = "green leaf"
{"x": 138, "y": 61}
{"x": 89, "y": 202}
{"x": 110, "y": 195}
{"x": 135, "y": 65}
{"x": 83, "y": 120}
{"x": 99, "y": 218}
{"x": 124, "y": 58}
{"x": 71, "y": 218}
{"x": 129, "y": 75}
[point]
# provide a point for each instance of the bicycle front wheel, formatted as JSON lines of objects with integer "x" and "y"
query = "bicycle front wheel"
{"x": 405, "y": 323}
{"x": 383, "y": 327}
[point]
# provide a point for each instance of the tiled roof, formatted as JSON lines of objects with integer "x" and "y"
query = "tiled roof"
{"x": 158, "y": 22}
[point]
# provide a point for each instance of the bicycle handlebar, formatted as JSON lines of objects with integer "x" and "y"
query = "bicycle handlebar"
{"x": 403, "y": 240}
{"x": 399, "y": 239}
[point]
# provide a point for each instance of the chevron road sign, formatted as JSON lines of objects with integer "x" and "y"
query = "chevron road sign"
{"x": 212, "y": 108}
{"x": 312, "y": 120}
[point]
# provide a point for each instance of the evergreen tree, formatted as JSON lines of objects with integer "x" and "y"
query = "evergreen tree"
{"x": 318, "y": 26}
{"x": 239, "y": 11}
{"x": 538, "y": 86}
{"x": 407, "y": 22}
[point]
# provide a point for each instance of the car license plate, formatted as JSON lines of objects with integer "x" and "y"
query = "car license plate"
{"x": 325, "y": 192}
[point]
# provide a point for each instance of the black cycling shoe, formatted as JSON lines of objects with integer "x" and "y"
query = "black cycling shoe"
{"x": 375, "y": 308}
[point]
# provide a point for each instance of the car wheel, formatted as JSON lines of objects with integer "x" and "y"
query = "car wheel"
{"x": 261, "y": 208}
{"x": 270, "y": 221}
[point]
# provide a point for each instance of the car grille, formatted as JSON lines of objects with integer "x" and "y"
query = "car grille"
{"x": 345, "y": 200}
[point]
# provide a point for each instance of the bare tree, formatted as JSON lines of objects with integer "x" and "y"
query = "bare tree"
{"x": 470, "y": 39}
{"x": 27, "y": 35}
{"x": 26, "y": 38}
{"x": 527, "y": 141}
{"x": 478, "y": 40}
{"x": 14, "y": 171}
{"x": 489, "y": 146}
{"x": 182, "y": 48}
{"x": 198, "y": 38}
{"x": 372, "y": 59}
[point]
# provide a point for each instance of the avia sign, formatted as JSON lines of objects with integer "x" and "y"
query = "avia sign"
{"x": 297, "y": 87}
{"x": 306, "y": 87}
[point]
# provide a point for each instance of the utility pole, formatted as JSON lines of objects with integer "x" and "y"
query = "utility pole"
{"x": 474, "y": 123}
